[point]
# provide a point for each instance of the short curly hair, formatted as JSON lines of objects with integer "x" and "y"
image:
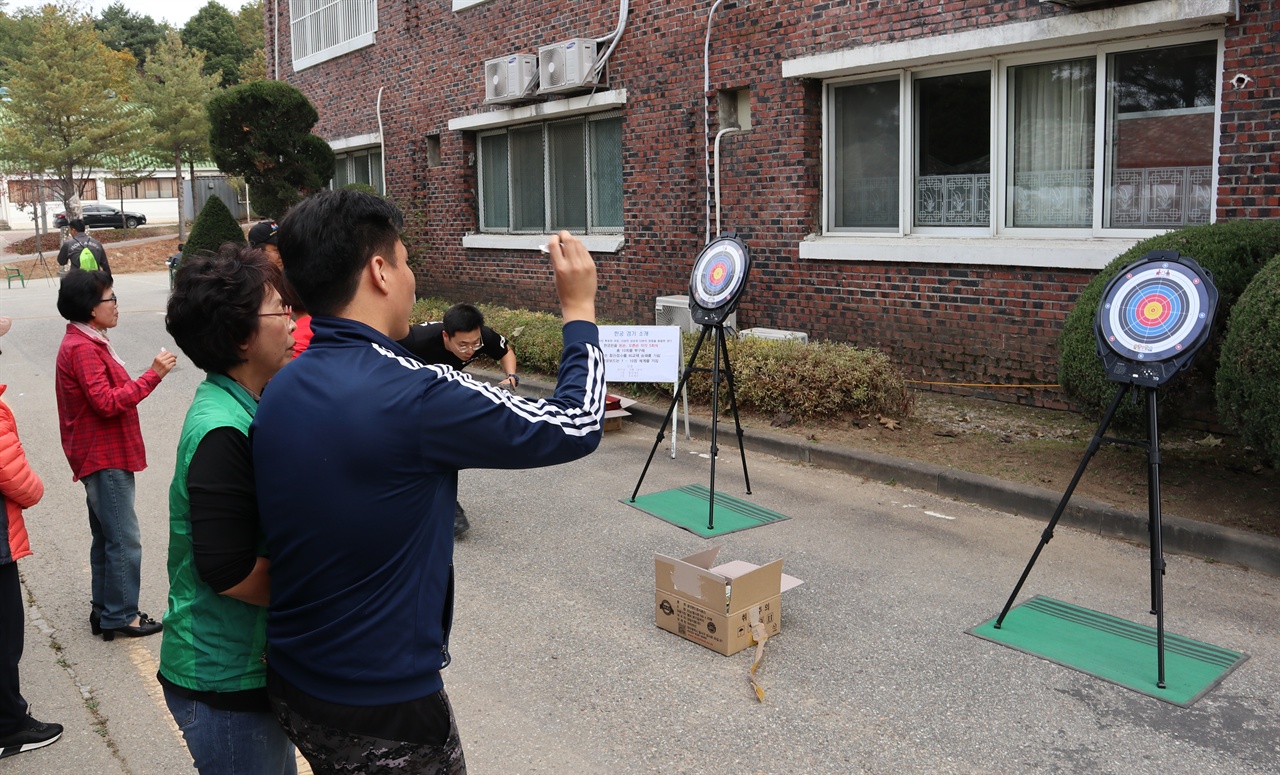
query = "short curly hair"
{"x": 213, "y": 309}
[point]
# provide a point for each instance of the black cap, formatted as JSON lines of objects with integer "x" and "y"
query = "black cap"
{"x": 263, "y": 234}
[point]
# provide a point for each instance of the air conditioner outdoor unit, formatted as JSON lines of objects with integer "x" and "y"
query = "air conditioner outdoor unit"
{"x": 567, "y": 66}
{"x": 510, "y": 78}
{"x": 774, "y": 333}
{"x": 674, "y": 311}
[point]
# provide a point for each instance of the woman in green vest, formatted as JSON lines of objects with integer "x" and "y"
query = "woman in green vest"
{"x": 226, "y": 314}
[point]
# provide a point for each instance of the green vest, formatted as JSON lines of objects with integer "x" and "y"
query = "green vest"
{"x": 211, "y": 642}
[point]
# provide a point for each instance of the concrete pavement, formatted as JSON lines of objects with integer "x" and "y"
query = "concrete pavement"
{"x": 558, "y": 665}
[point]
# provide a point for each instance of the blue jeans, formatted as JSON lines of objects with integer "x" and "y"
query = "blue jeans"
{"x": 229, "y": 742}
{"x": 115, "y": 557}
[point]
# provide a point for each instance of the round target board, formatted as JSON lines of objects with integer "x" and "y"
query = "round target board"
{"x": 1157, "y": 309}
{"x": 718, "y": 279}
{"x": 720, "y": 274}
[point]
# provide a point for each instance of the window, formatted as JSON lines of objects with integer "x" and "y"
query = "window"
{"x": 555, "y": 175}
{"x": 363, "y": 166}
{"x": 23, "y": 192}
{"x": 151, "y": 188}
{"x": 325, "y": 29}
{"x": 925, "y": 151}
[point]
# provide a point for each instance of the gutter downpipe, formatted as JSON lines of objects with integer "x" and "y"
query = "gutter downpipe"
{"x": 382, "y": 142}
{"x": 706, "y": 111}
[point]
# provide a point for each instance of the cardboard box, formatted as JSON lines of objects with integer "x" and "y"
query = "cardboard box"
{"x": 615, "y": 408}
{"x": 714, "y": 606}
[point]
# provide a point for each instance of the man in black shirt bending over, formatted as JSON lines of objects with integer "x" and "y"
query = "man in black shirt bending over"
{"x": 457, "y": 341}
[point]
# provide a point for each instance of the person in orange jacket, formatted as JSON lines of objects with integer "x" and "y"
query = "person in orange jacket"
{"x": 20, "y": 489}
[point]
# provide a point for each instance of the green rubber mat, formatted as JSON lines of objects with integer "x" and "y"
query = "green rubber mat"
{"x": 1112, "y": 649}
{"x": 688, "y": 507}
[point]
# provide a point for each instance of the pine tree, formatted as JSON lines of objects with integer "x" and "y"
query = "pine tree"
{"x": 68, "y": 109}
{"x": 262, "y": 131}
{"x": 175, "y": 91}
{"x": 214, "y": 227}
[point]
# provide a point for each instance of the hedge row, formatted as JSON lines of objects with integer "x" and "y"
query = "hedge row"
{"x": 1233, "y": 252}
{"x": 807, "y": 381}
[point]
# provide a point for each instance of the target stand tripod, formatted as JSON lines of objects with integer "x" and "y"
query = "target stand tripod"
{"x": 1153, "y": 318}
{"x": 721, "y": 350}
{"x": 718, "y": 279}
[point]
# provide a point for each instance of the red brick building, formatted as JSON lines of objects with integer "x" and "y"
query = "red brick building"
{"x": 937, "y": 180}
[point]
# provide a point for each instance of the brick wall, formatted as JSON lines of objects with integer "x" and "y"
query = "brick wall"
{"x": 941, "y": 324}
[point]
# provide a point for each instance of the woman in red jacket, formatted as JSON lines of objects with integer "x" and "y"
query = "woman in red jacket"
{"x": 20, "y": 489}
{"x": 102, "y": 438}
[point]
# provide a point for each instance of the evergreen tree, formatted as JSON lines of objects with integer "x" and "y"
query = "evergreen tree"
{"x": 213, "y": 31}
{"x": 262, "y": 131}
{"x": 123, "y": 30}
{"x": 68, "y": 109}
{"x": 214, "y": 227}
{"x": 175, "y": 91}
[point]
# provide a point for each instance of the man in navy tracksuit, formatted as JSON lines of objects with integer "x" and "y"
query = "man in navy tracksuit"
{"x": 356, "y": 448}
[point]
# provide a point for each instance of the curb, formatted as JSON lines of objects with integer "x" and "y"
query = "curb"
{"x": 1179, "y": 535}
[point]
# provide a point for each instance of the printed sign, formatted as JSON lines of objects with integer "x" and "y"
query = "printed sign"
{"x": 641, "y": 353}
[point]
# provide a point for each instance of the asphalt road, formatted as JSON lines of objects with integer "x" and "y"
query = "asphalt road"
{"x": 558, "y": 665}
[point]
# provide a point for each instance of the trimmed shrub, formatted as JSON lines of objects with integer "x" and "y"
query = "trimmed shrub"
{"x": 807, "y": 381}
{"x": 819, "y": 380}
{"x": 1232, "y": 251}
{"x": 214, "y": 227}
{"x": 1248, "y": 389}
{"x": 364, "y": 188}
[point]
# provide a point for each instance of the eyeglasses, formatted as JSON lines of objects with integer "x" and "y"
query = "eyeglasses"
{"x": 112, "y": 298}
{"x": 288, "y": 312}
{"x": 469, "y": 348}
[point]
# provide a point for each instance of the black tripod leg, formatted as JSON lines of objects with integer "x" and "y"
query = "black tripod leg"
{"x": 1157, "y": 548}
{"x": 1094, "y": 444}
{"x": 715, "y": 424}
{"x": 662, "y": 426}
{"x": 737, "y": 422}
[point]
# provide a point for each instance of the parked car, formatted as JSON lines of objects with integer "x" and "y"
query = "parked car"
{"x": 104, "y": 217}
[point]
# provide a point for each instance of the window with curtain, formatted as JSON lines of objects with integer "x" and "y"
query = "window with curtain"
{"x": 1160, "y": 124}
{"x": 953, "y": 150}
{"x": 1051, "y": 109}
{"x": 925, "y": 144}
{"x": 554, "y": 175}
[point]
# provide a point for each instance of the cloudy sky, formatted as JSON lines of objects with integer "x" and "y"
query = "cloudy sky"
{"x": 176, "y": 12}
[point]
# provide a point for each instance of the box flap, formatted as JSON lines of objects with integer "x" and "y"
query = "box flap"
{"x": 735, "y": 568}
{"x": 610, "y": 413}
{"x": 755, "y": 585}
{"x": 690, "y": 580}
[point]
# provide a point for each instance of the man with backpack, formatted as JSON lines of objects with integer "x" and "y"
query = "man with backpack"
{"x": 81, "y": 251}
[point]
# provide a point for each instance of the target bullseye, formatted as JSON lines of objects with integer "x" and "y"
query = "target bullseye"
{"x": 1157, "y": 309}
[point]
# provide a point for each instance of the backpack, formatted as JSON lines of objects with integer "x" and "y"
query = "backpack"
{"x": 88, "y": 261}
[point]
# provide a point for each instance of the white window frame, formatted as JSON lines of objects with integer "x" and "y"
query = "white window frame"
{"x": 363, "y": 14}
{"x": 1153, "y": 24}
{"x": 599, "y": 102}
{"x": 347, "y": 153}
{"x": 547, "y": 175}
{"x": 1000, "y": 68}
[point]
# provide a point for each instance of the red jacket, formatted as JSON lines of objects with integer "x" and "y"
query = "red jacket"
{"x": 20, "y": 488}
{"x": 98, "y": 407}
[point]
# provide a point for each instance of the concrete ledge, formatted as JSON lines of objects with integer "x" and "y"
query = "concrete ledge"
{"x": 1180, "y": 535}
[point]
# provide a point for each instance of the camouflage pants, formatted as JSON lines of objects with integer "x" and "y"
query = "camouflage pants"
{"x": 330, "y": 750}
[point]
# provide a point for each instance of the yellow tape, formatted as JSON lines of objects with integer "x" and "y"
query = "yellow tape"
{"x": 976, "y": 384}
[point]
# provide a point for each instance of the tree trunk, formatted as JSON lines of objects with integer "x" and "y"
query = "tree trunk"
{"x": 182, "y": 210}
